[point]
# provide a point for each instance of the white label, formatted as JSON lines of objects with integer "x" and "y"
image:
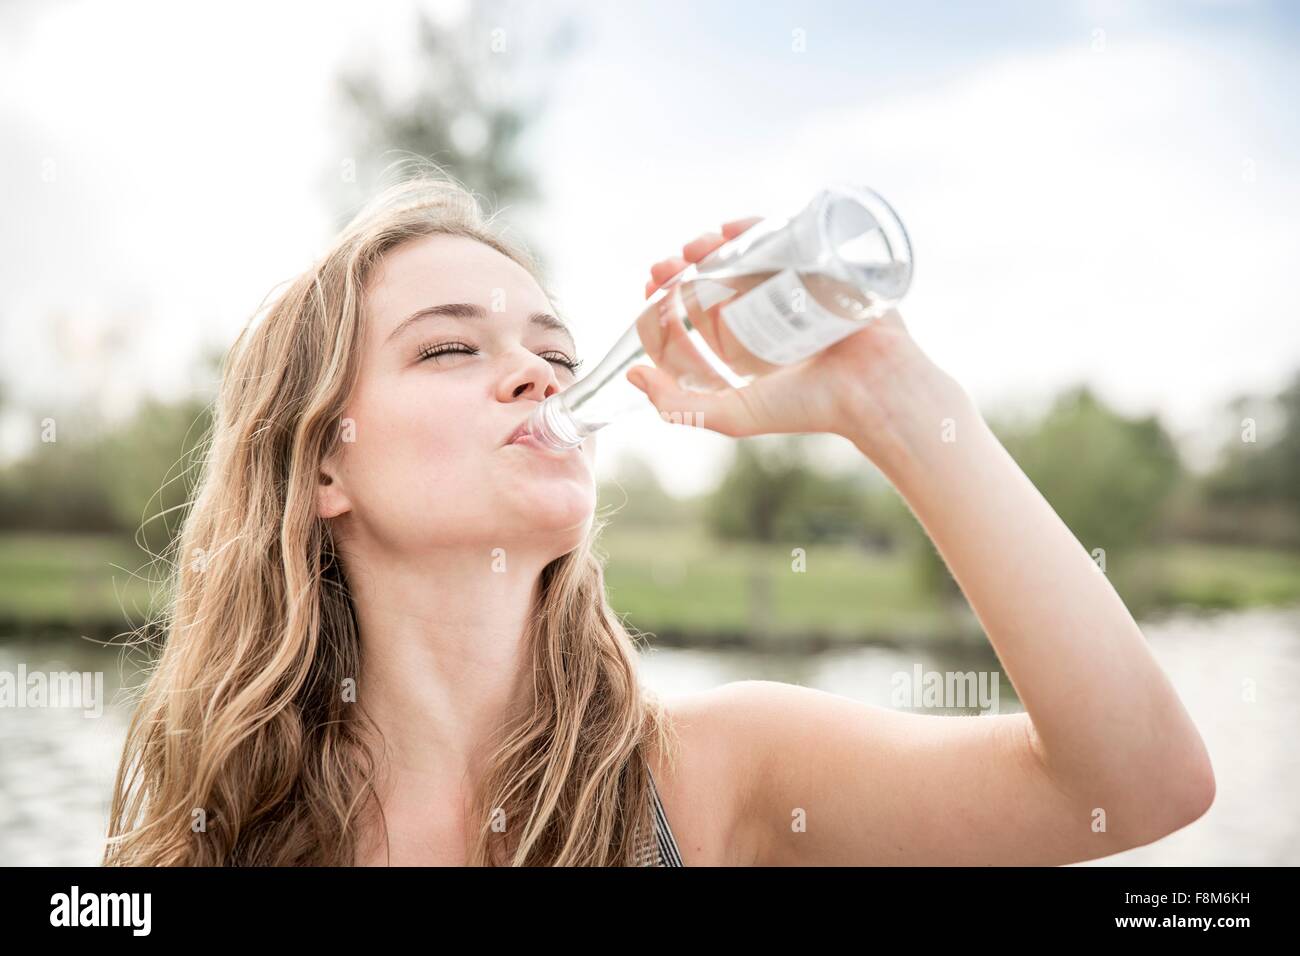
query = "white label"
{"x": 780, "y": 322}
{"x": 709, "y": 292}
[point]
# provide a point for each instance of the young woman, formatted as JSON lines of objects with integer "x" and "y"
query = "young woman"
{"x": 389, "y": 641}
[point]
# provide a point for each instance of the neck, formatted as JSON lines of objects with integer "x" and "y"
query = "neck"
{"x": 442, "y": 650}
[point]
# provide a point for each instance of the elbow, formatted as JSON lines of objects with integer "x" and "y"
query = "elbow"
{"x": 1196, "y": 782}
{"x": 1201, "y": 789}
{"x": 1177, "y": 802}
{"x": 1186, "y": 780}
{"x": 1169, "y": 798}
{"x": 1189, "y": 791}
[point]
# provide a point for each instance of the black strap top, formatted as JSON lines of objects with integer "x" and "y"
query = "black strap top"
{"x": 662, "y": 849}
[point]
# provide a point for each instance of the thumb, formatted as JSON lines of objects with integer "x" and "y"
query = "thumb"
{"x": 720, "y": 410}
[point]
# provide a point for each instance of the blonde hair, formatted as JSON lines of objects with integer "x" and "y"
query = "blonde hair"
{"x": 242, "y": 723}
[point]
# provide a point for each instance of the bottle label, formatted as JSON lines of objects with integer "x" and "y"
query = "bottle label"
{"x": 780, "y": 322}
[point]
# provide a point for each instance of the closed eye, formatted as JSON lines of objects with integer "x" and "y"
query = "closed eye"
{"x": 570, "y": 364}
{"x": 461, "y": 348}
{"x": 445, "y": 348}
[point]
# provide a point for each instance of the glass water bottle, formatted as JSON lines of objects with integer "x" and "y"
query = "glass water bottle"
{"x": 780, "y": 292}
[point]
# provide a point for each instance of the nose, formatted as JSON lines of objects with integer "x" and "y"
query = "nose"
{"x": 530, "y": 376}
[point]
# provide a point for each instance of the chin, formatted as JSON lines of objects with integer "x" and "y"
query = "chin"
{"x": 562, "y": 512}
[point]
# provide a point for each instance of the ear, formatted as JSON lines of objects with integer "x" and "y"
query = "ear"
{"x": 331, "y": 500}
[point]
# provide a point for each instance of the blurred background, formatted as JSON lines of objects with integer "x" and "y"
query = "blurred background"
{"x": 1102, "y": 199}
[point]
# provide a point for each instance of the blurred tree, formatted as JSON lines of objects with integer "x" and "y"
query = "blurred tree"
{"x": 479, "y": 86}
{"x": 59, "y": 485}
{"x": 1251, "y": 470}
{"x": 634, "y": 496}
{"x": 1110, "y": 478}
{"x": 150, "y": 468}
{"x": 136, "y": 476}
{"x": 771, "y": 492}
{"x": 758, "y": 490}
{"x": 1107, "y": 476}
{"x": 1252, "y": 496}
{"x": 841, "y": 508}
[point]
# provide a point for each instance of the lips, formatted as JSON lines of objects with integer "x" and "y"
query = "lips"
{"x": 523, "y": 438}
{"x": 520, "y": 429}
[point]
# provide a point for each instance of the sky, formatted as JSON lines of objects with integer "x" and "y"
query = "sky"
{"x": 1095, "y": 192}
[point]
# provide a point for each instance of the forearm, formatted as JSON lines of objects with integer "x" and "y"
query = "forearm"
{"x": 1107, "y": 721}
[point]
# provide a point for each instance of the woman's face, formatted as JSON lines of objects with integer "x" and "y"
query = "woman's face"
{"x": 424, "y": 459}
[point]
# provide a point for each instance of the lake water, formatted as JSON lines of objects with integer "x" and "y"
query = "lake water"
{"x": 1236, "y": 673}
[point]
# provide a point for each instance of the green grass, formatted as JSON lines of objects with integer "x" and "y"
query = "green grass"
{"x": 70, "y": 581}
{"x": 678, "y": 580}
{"x": 677, "y": 583}
{"x": 1223, "y": 577}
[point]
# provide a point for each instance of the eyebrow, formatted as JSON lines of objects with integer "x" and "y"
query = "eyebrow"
{"x": 466, "y": 310}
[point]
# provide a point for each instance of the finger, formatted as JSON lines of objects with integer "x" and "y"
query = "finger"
{"x": 697, "y": 249}
{"x": 662, "y": 271}
{"x": 730, "y": 230}
{"x": 682, "y": 359}
{"x": 670, "y": 347}
{"x": 721, "y": 411}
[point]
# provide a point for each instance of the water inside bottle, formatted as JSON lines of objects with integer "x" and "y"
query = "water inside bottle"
{"x": 696, "y": 306}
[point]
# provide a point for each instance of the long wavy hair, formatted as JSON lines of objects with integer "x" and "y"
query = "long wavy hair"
{"x": 243, "y": 748}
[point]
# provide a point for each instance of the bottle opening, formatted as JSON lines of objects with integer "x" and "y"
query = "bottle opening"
{"x": 553, "y": 424}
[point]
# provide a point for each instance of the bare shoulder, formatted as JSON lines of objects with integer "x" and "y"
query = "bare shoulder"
{"x": 749, "y": 752}
{"x": 708, "y": 791}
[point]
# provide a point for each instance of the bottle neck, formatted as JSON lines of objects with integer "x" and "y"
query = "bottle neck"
{"x": 555, "y": 426}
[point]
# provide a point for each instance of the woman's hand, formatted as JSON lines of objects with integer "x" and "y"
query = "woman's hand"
{"x": 864, "y": 387}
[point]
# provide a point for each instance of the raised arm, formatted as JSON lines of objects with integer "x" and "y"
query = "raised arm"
{"x": 1105, "y": 757}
